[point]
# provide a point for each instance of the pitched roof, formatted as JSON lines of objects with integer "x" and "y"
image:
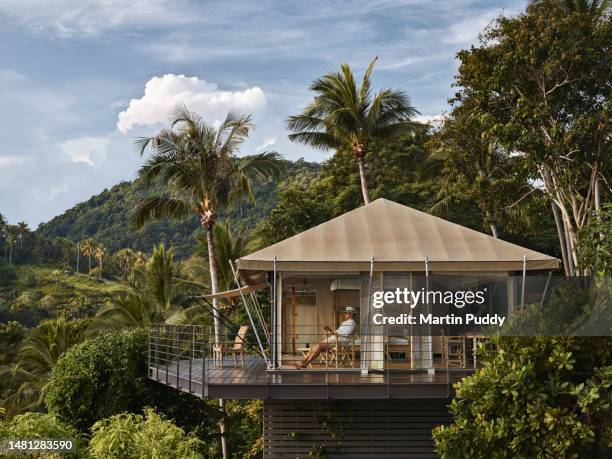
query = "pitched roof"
{"x": 399, "y": 238}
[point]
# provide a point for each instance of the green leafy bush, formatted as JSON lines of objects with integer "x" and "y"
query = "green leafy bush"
{"x": 107, "y": 375}
{"x": 41, "y": 425}
{"x": 534, "y": 397}
{"x": 128, "y": 436}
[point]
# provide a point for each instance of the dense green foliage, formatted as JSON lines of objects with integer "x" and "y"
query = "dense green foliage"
{"x": 107, "y": 375}
{"x": 43, "y": 426}
{"x": 535, "y": 397}
{"x": 595, "y": 252}
{"x": 37, "y": 293}
{"x": 132, "y": 436}
{"x": 104, "y": 217}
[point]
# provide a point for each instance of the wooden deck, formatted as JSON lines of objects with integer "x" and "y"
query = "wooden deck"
{"x": 254, "y": 381}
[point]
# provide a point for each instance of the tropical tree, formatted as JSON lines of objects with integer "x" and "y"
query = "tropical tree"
{"x": 151, "y": 296}
{"x": 469, "y": 164}
{"x": 87, "y": 249}
{"x": 343, "y": 116}
{"x": 553, "y": 108}
{"x": 100, "y": 252}
{"x": 125, "y": 260}
{"x": 23, "y": 230}
{"x": 198, "y": 163}
{"x": 10, "y": 239}
{"x": 3, "y": 224}
{"x": 36, "y": 357}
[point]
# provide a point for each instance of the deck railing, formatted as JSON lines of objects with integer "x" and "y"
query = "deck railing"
{"x": 177, "y": 355}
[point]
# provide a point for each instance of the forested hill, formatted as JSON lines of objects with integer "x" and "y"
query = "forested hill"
{"x": 104, "y": 217}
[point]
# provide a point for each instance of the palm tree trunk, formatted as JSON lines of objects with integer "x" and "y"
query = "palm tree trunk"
{"x": 217, "y": 321}
{"x": 89, "y": 263}
{"x": 364, "y": 184}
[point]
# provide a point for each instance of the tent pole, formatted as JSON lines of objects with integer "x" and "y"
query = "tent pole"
{"x": 546, "y": 288}
{"x": 364, "y": 370}
{"x": 524, "y": 278}
{"x": 260, "y": 316}
{"x": 274, "y": 331}
{"x": 246, "y": 306}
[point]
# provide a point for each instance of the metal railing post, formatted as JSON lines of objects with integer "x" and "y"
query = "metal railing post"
{"x": 178, "y": 360}
{"x": 190, "y": 355}
{"x": 156, "y": 359}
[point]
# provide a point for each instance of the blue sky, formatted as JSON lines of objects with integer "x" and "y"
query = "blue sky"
{"x": 81, "y": 79}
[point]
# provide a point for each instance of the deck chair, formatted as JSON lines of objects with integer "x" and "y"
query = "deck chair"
{"x": 235, "y": 348}
{"x": 338, "y": 355}
{"x": 454, "y": 350}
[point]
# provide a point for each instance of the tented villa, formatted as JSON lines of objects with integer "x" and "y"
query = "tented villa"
{"x": 341, "y": 349}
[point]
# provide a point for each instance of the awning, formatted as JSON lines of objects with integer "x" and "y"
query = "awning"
{"x": 237, "y": 291}
{"x": 399, "y": 238}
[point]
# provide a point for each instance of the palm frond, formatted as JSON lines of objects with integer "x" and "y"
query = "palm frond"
{"x": 156, "y": 207}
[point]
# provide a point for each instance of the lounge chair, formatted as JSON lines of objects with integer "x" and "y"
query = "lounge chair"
{"x": 234, "y": 348}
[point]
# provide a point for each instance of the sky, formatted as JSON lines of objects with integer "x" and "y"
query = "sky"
{"x": 81, "y": 80}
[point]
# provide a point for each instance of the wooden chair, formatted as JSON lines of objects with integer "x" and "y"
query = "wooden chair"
{"x": 339, "y": 354}
{"x": 235, "y": 348}
{"x": 454, "y": 350}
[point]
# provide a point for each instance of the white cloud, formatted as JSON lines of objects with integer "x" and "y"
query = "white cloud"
{"x": 93, "y": 17}
{"x": 88, "y": 150}
{"x": 163, "y": 93}
{"x": 466, "y": 31}
{"x": 268, "y": 142}
{"x": 433, "y": 119}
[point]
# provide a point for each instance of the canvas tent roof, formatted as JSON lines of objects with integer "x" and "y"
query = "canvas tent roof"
{"x": 399, "y": 238}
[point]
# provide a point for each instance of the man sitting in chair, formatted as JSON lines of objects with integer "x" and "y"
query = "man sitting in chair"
{"x": 332, "y": 337}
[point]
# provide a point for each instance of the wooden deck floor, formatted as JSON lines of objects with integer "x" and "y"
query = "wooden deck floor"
{"x": 255, "y": 381}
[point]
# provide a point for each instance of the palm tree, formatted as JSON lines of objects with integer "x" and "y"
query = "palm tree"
{"x": 10, "y": 238}
{"x": 343, "y": 116}
{"x": 125, "y": 259}
{"x": 37, "y": 356}
{"x": 22, "y": 230}
{"x": 3, "y": 225}
{"x": 100, "y": 252}
{"x": 87, "y": 249}
{"x": 198, "y": 163}
{"x": 150, "y": 297}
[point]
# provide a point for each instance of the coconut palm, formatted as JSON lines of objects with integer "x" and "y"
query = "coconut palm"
{"x": 125, "y": 260}
{"x": 3, "y": 224}
{"x": 198, "y": 163}
{"x": 87, "y": 249}
{"x": 10, "y": 239}
{"x": 343, "y": 116}
{"x": 37, "y": 356}
{"x": 23, "y": 230}
{"x": 99, "y": 252}
{"x": 151, "y": 296}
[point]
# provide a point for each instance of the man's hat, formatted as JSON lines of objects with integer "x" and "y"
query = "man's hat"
{"x": 350, "y": 309}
